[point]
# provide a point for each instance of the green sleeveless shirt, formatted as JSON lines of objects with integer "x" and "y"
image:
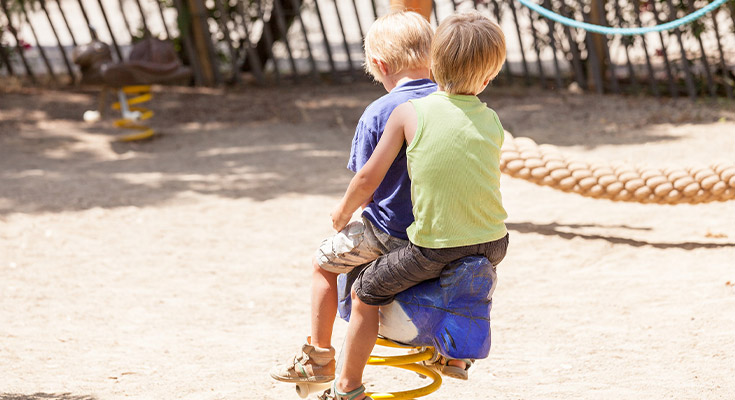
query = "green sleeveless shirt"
{"x": 454, "y": 165}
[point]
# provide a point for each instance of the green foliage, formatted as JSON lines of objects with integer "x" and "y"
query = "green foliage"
{"x": 13, "y": 11}
{"x": 17, "y": 6}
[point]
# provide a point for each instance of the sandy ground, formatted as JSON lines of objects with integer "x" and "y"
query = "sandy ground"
{"x": 178, "y": 268}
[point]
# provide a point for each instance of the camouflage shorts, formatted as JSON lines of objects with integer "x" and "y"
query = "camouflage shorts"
{"x": 359, "y": 243}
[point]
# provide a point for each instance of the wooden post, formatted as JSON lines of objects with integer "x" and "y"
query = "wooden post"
{"x": 597, "y": 51}
{"x": 203, "y": 43}
{"x": 422, "y": 7}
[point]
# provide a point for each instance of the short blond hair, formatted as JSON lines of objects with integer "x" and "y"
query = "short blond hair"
{"x": 468, "y": 48}
{"x": 401, "y": 40}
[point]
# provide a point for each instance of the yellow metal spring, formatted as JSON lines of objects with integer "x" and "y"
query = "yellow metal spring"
{"x": 409, "y": 362}
{"x": 132, "y": 105}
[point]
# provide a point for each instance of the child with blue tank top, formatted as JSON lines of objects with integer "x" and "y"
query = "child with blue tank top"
{"x": 453, "y": 143}
{"x": 397, "y": 54}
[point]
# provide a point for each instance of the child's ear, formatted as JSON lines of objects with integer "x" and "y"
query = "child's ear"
{"x": 382, "y": 67}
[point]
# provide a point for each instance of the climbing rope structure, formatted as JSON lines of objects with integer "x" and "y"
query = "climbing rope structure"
{"x": 545, "y": 165}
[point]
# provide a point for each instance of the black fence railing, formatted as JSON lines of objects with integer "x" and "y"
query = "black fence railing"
{"x": 268, "y": 41}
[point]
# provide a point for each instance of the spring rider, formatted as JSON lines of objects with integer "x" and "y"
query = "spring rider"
{"x": 151, "y": 61}
{"x": 446, "y": 317}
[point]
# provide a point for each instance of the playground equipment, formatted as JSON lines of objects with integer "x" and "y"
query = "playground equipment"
{"x": 545, "y": 165}
{"x": 410, "y": 361}
{"x": 444, "y": 317}
{"x": 151, "y": 61}
{"x": 450, "y": 316}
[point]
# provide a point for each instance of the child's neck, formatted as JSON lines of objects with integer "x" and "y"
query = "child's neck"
{"x": 390, "y": 82}
{"x": 441, "y": 89}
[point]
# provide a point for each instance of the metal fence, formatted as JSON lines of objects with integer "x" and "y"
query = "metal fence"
{"x": 237, "y": 42}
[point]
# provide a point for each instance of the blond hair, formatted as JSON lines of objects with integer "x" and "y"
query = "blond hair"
{"x": 467, "y": 50}
{"x": 401, "y": 40}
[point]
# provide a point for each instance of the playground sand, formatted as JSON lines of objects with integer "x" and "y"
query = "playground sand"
{"x": 178, "y": 268}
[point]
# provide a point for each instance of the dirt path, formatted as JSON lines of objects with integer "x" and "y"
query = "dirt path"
{"x": 178, "y": 268}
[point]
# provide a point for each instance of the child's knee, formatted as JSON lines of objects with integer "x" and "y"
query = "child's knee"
{"x": 317, "y": 269}
{"x": 356, "y": 301}
{"x": 359, "y": 303}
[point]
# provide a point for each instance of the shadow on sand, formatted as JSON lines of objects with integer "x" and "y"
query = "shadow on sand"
{"x": 259, "y": 143}
{"x": 45, "y": 396}
{"x": 562, "y": 231}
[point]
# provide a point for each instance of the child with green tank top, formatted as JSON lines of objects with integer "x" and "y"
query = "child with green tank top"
{"x": 453, "y": 156}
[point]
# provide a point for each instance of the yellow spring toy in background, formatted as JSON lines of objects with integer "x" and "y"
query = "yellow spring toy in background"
{"x": 151, "y": 61}
{"x": 133, "y": 113}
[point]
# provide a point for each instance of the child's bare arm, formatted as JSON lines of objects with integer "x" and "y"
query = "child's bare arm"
{"x": 368, "y": 178}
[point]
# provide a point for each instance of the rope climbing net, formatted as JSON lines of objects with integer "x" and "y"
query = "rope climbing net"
{"x": 545, "y": 165}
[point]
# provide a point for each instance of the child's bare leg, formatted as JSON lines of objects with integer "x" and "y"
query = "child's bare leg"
{"x": 315, "y": 362}
{"x": 362, "y": 332}
{"x": 457, "y": 363}
{"x": 323, "y": 305}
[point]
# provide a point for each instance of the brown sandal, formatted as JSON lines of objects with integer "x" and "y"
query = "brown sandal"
{"x": 442, "y": 366}
{"x": 334, "y": 394}
{"x": 312, "y": 365}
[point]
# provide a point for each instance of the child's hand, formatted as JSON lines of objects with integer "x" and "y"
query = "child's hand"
{"x": 340, "y": 219}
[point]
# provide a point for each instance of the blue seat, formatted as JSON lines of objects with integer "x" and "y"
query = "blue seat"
{"x": 450, "y": 313}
